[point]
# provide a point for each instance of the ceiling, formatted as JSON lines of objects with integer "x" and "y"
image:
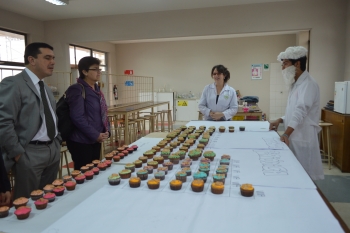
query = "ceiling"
{"x": 42, "y": 10}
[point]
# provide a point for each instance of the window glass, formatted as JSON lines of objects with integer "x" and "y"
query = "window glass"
{"x": 12, "y": 46}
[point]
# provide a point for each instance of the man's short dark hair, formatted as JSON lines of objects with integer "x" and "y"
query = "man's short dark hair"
{"x": 302, "y": 62}
{"x": 85, "y": 63}
{"x": 33, "y": 49}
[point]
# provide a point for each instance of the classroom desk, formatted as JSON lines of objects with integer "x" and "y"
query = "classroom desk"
{"x": 95, "y": 206}
{"x": 131, "y": 109}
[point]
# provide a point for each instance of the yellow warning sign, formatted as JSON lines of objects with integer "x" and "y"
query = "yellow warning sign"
{"x": 182, "y": 103}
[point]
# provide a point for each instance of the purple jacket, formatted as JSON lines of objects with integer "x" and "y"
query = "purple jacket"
{"x": 85, "y": 114}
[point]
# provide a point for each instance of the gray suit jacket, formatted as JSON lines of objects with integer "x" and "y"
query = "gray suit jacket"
{"x": 21, "y": 113}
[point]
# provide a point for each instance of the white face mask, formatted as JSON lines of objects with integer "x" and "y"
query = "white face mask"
{"x": 288, "y": 75}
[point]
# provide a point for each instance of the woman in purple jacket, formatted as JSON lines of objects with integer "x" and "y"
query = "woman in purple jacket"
{"x": 88, "y": 115}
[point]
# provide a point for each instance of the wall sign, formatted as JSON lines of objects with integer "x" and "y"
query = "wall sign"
{"x": 182, "y": 103}
{"x": 256, "y": 71}
{"x": 129, "y": 83}
{"x": 129, "y": 72}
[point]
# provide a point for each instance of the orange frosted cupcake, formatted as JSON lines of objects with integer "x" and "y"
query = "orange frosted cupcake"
{"x": 4, "y": 211}
{"x": 22, "y": 201}
{"x": 77, "y": 172}
{"x": 159, "y": 159}
{"x": 175, "y": 184}
{"x": 217, "y": 187}
{"x": 58, "y": 182}
{"x": 48, "y": 188}
{"x": 153, "y": 183}
{"x": 247, "y": 190}
{"x": 134, "y": 182}
{"x": 109, "y": 156}
{"x": 36, "y": 194}
{"x": 197, "y": 185}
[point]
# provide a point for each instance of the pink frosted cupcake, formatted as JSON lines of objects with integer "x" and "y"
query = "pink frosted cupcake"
{"x": 23, "y": 212}
{"x": 41, "y": 203}
{"x": 80, "y": 179}
{"x": 70, "y": 185}
{"x": 89, "y": 175}
{"x": 50, "y": 197}
{"x": 96, "y": 170}
{"x": 59, "y": 190}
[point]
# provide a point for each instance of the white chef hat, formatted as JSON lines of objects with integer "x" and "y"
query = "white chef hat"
{"x": 293, "y": 53}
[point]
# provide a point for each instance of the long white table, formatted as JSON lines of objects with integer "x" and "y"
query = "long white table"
{"x": 285, "y": 199}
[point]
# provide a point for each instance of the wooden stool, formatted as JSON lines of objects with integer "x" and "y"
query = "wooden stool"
{"x": 158, "y": 116}
{"x": 140, "y": 122}
{"x": 167, "y": 113}
{"x": 63, "y": 155}
{"x": 325, "y": 136}
{"x": 151, "y": 120}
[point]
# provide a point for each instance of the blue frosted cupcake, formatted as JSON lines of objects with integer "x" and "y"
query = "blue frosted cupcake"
{"x": 221, "y": 171}
{"x": 224, "y": 161}
{"x": 205, "y": 170}
{"x": 181, "y": 176}
{"x": 187, "y": 170}
{"x": 200, "y": 176}
{"x": 159, "y": 175}
{"x": 219, "y": 177}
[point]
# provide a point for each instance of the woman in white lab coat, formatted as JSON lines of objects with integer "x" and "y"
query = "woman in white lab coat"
{"x": 219, "y": 100}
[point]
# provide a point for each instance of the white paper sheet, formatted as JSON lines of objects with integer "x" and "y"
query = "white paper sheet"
{"x": 272, "y": 210}
{"x": 249, "y": 125}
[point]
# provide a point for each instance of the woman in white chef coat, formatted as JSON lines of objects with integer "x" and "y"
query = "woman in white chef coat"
{"x": 219, "y": 100}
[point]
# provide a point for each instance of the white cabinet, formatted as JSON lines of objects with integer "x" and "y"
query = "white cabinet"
{"x": 186, "y": 109}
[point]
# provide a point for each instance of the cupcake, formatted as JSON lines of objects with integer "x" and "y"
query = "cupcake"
{"x": 114, "y": 179}
{"x": 188, "y": 160}
{"x": 222, "y": 171}
{"x": 225, "y": 157}
{"x": 204, "y": 141}
{"x": 169, "y": 165}
{"x": 197, "y": 185}
{"x": 188, "y": 145}
{"x": 205, "y": 160}
{"x": 167, "y": 148}
{"x": 142, "y": 174}
{"x": 121, "y": 155}
{"x": 50, "y": 197}
{"x": 107, "y": 162}
{"x": 217, "y": 187}
{"x": 181, "y": 153}
{"x": 80, "y": 179}
{"x": 209, "y": 154}
{"x": 159, "y": 159}
{"x": 59, "y": 190}
{"x": 223, "y": 167}
{"x": 109, "y": 156}
{"x": 174, "y": 158}
{"x": 143, "y": 159}
{"x": 181, "y": 176}
{"x": 90, "y": 165}
{"x": 159, "y": 175}
{"x": 149, "y": 154}
{"x": 173, "y": 144}
{"x": 204, "y": 165}
{"x": 206, "y": 136}
{"x": 120, "y": 149}
{"x": 36, "y": 194}
{"x": 48, "y": 188}
{"x": 205, "y": 170}
{"x": 242, "y": 128}
{"x": 75, "y": 173}
{"x": 96, "y": 170}
{"x": 58, "y": 182}
{"x": 22, "y": 201}
{"x": 125, "y": 174}
{"x": 4, "y": 211}
{"x": 138, "y": 163}
{"x": 177, "y": 142}
{"x": 185, "y": 164}
{"x": 125, "y": 152}
{"x": 84, "y": 169}
{"x": 187, "y": 170}
{"x": 224, "y": 161}
{"x": 153, "y": 183}
{"x": 23, "y": 212}
{"x": 135, "y": 147}
{"x": 116, "y": 158}
{"x": 154, "y": 164}
{"x": 200, "y": 176}
{"x": 164, "y": 169}
{"x": 149, "y": 169}
{"x": 219, "y": 178}
{"x": 212, "y": 128}
{"x": 175, "y": 184}
{"x": 190, "y": 142}
{"x": 69, "y": 178}
{"x": 41, "y": 203}
{"x": 231, "y": 129}
{"x": 194, "y": 154}
{"x": 70, "y": 185}
{"x": 165, "y": 153}
{"x": 102, "y": 166}
{"x": 222, "y": 129}
{"x": 181, "y": 139}
{"x": 161, "y": 145}
{"x": 126, "y": 147}
{"x": 202, "y": 127}
{"x": 168, "y": 140}
{"x": 130, "y": 150}
{"x": 95, "y": 162}
{"x": 247, "y": 190}
{"x": 156, "y": 148}
{"x": 183, "y": 127}
{"x": 89, "y": 175}
{"x": 184, "y": 148}
{"x": 134, "y": 182}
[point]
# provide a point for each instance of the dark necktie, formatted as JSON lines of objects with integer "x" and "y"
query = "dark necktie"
{"x": 50, "y": 124}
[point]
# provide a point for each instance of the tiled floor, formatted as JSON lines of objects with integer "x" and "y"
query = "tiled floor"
{"x": 335, "y": 186}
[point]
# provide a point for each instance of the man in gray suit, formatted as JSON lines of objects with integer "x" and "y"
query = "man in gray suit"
{"x": 30, "y": 140}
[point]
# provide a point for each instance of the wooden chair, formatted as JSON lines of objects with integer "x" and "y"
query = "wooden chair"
{"x": 326, "y": 143}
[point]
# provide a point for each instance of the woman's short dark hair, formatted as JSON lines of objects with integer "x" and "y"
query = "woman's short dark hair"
{"x": 302, "y": 62}
{"x": 221, "y": 70}
{"x": 85, "y": 63}
{"x": 33, "y": 49}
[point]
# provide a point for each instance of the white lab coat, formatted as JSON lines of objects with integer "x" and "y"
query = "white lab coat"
{"x": 303, "y": 115}
{"x": 227, "y": 102}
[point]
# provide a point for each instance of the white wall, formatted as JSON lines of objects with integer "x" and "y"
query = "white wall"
{"x": 326, "y": 19}
{"x": 347, "y": 63}
{"x": 185, "y": 66}
{"x": 16, "y": 22}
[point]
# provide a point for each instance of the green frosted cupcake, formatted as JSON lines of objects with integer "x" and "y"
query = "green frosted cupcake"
{"x": 203, "y": 141}
{"x": 130, "y": 166}
{"x": 181, "y": 153}
{"x": 174, "y": 158}
{"x": 181, "y": 176}
{"x": 165, "y": 153}
{"x": 209, "y": 154}
{"x": 194, "y": 154}
{"x": 125, "y": 174}
{"x": 142, "y": 174}
{"x": 114, "y": 179}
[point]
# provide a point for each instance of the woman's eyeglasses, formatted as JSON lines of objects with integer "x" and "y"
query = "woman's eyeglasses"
{"x": 96, "y": 69}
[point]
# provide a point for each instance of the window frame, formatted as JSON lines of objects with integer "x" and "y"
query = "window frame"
{"x": 11, "y": 63}
{"x": 75, "y": 66}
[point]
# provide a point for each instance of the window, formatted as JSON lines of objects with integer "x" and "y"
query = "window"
{"x": 12, "y": 46}
{"x": 77, "y": 52}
